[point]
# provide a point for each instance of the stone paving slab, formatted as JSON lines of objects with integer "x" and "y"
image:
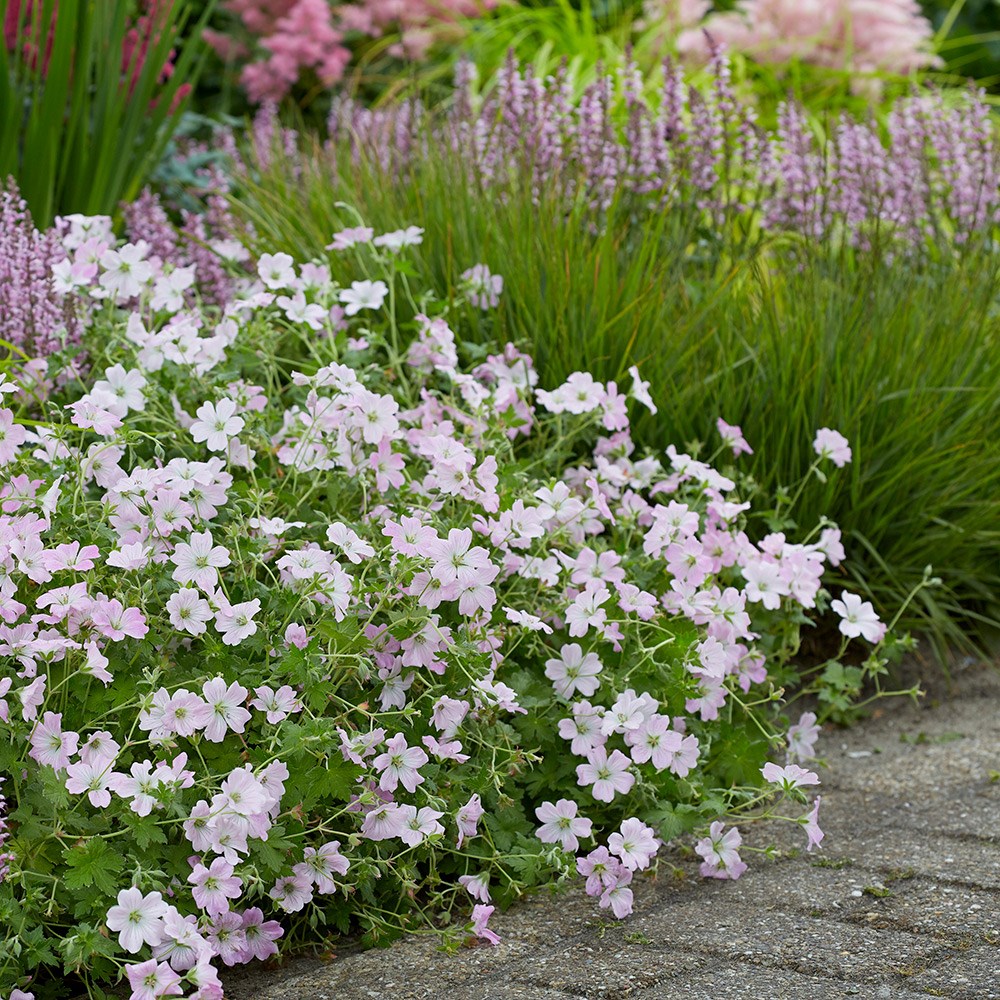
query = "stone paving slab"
{"x": 735, "y": 982}
{"x": 904, "y": 902}
{"x": 973, "y": 975}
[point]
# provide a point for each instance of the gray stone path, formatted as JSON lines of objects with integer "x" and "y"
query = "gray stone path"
{"x": 903, "y": 903}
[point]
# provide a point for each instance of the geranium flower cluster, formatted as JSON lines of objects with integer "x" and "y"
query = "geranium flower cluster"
{"x": 301, "y": 614}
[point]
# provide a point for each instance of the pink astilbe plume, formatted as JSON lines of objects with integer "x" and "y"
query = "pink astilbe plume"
{"x": 299, "y": 37}
{"x": 860, "y": 36}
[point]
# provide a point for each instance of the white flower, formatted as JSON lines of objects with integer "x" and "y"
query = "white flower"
{"x": 236, "y": 623}
{"x": 168, "y": 292}
{"x": 409, "y": 237}
{"x": 138, "y": 918}
{"x": 297, "y": 310}
{"x": 858, "y": 618}
{"x": 125, "y": 387}
{"x": 188, "y": 611}
{"x": 363, "y": 295}
{"x": 126, "y": 271}
{"x": 276, "y": 270}
{"x": 640, "y": 390}
{"x": 216, "y": 424}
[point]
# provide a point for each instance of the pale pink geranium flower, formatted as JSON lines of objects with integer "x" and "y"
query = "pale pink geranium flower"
{"x": 618, "y": 896}
{"x": 654, "y": 741}
{"x": 480, "y": 915}
{"x": 721, "y": 854}
{"x": 802, "y": 737}
{"x": 277, "y": 704}
{"x": 140, "y": 785}
{"x": 189, "y": 611}
{"x": 236, "y": 621}
{"x": 600, "y": 870}
{"x": 608, "y": 775}
{"x": 12, "y": 436}
{"x": 468, "y": 818}
{"x": 858, "y": 618}
{"x": 276, "y": 270}
{"x": 349, "y": 542}
{"x": 226, "y": 710}
{"x": 583, "y": 729}
{"x": 185, "y": 713}
{"x": 296, "y": 635}
{"x": 50, "y": 745}
{"x": 116, "y": 622}
{"x": 411, "y": 236}
{"x": 574, "y": 671}
{"x": 348, "y": 238}
{"x": 832, "y": 445}
{"x": 764, "y": 583}
{"x": 243, "y": 794}
{"x": 216, "y": 424}
{"x": 181, "y": 941}
{"x": 383, "y": 822}
{"x": 215, "y": 886}
{"x": 292, "y": 892}
{"x": 484, "y": 287}
{"x": 91, "y": 777}
{"x": 586, "y": 611}
{"x": 640, "y": 390}
{"x": 297, "y": 310}
{"x": 198, "y": 560}
{"x": 635, "y": 844}
{"x": 400, "y": 765}
{"x": 224, "y": 933}
{"x": 376, "y": 416}
{"x": 419, "y": 824}
{"x": 789, "y": 777}
{"x": 126, "y": 270}
{"x": 322, "y": 864}
{"x": 527, "y": 620}
{"x": 137, "y": 918}
{"x": 260, "y": 935}
{"x": 125, "y": 387}
{"x": 811, "y": 823}
{"x": 561, "y": 825}
{"x": 153, "y": 980}
{"x": 628, "y": 713}
{"x": 363, "y": 295}
{"x": 732, "y": 437}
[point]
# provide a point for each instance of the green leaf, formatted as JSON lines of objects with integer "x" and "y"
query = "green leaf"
{"x": 144, "y": 831}
{"x": 92, "y": 863}
{"x": 672, "y": 820}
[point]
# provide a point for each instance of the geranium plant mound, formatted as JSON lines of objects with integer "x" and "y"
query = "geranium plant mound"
{"x": 316, "y": 618}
